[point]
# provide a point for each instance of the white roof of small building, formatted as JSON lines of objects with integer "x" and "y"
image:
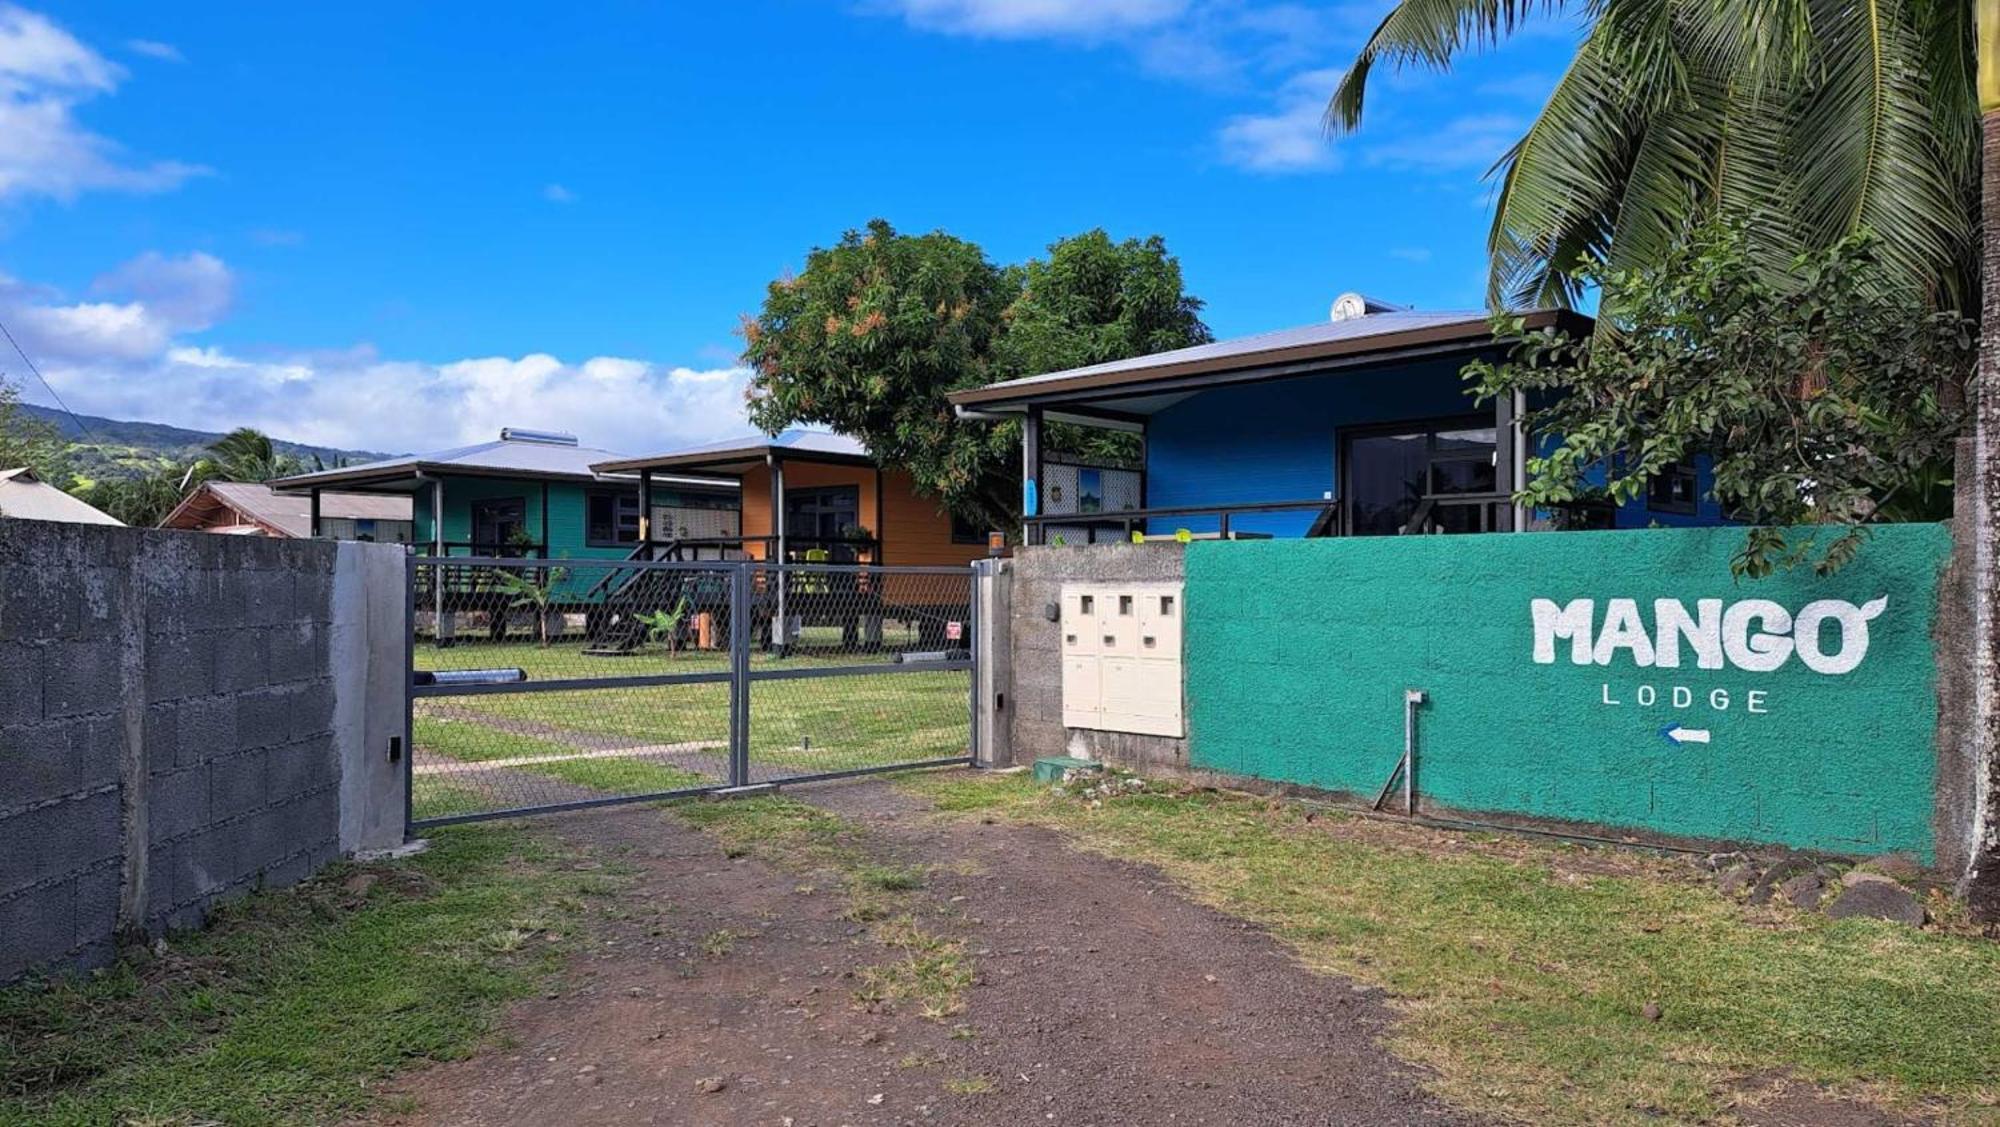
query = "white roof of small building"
{"x": 25, "y": 496}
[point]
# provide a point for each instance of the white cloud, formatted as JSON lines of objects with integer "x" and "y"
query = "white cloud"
{"x": 1472, "y": 142}
{"x": 189, "y": 292}
{"x": 133, "y": 358}
{"x": 154, "y": 49}
{"x": 556, "y": 193}
{"x": 45, "y": 72}
{"x": 1411, "y": 254}
{"x": 1290, "y": 138}
{"x": 1025, "y": 19}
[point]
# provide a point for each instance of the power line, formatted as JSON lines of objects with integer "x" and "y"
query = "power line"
{"x": 81, "y": 430}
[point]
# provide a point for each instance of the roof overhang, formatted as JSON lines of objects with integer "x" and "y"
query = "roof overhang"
{"x": 1125, "y": 396}
{"x": 410, "y": 477}
{"x": 734, "y": 462}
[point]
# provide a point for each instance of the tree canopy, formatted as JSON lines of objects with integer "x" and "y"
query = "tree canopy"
{"x": 875, "y": 331}
{"x": 1832, "y": 398}
{"x": 29, "y": 441}
{"x": 1806, "y": 122}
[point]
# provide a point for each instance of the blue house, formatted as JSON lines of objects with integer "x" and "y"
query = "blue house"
{"x": 1359, "y": 426}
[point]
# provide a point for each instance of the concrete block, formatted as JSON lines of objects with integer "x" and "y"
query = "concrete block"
{"x": 21, "y": 667}
{"x": 312, "y": 709}
{"x": 294, "y": 652}
{"x": 265, "y": 716}
{"x": 179, "y": 666}
{"x": 162, "y": 738}
{"x": 96, "y": 744}
{"x": 177, "y": 804}
{"x": 35, "y": 763}
{"x": 301, "y": 767}
{"x": 240, "y": 660}
{"x": 36, "y": 927}
{"x": 210, "y": 727}
{"x": 95, "y": 917}
{"x": 236, "y": 785}
{"x": 49, "y": 842}
{"x": 79, "y": 678}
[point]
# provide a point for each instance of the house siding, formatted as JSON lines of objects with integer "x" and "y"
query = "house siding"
{"x": 1277, "y": 441}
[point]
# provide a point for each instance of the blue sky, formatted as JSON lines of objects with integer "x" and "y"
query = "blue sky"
{"x": 402, "y": 226}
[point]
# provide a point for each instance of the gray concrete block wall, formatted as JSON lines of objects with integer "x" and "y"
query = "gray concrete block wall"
{"x": 1036, "y": 697}
{"x": 167, "y": 734}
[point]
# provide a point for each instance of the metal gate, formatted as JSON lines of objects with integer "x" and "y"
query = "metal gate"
{"x": 555, "y": 684}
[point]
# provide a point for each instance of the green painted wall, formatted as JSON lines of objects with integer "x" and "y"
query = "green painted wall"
{"x": 564, "y": 534}
{"x": 1298, "y": 653}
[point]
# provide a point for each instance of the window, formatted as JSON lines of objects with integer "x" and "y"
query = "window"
{"x": 1676, "y": 489}
{"x": 964, "y": 531}
{"x": 612, "y": 518}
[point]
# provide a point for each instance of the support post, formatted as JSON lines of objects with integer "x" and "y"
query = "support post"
{"x": 646, "y": 509}
{"x": 314, "y": 533}
{"x": 1509, "y": 454}
{"x": 1031, "y": 474}
{"x": 781, "y": 626}
{"x": 739, "y": 670}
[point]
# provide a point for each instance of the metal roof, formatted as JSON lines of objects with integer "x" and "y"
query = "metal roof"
{"x": 1380, "y": 333}
{"x": 25, "y": 496}
{"x": 286, "y": 514}
{"x": 798, "y": 443}
{"x": 505, "y": 457}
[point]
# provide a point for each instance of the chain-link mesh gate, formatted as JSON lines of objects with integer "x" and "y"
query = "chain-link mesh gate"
{"x": 541, "y": 685}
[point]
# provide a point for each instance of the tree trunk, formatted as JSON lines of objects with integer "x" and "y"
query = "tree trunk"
{"x": 1978, "y": 493}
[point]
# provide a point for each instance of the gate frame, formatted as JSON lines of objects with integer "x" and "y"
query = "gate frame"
{"x": 740, "y": 676}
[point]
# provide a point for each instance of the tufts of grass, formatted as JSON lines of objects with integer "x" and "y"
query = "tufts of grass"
{"x": 932, "y": 973}
{"x": 292, "y": 1003}
{"x": 717, "y": 944}
{"x": 1523, "y": 969}
{"x": 889, "y": 878}
{"x": 971, "y": 1085}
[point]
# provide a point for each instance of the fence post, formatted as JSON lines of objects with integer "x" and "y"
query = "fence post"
{"x": 739, "y": 675}
{"x": 992, "y": 662}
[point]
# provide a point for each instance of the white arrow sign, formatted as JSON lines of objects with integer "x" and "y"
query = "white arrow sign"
{"x": 1677, "y": 735}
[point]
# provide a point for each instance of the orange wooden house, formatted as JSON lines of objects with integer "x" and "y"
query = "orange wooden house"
{"x": 809, "y": 497}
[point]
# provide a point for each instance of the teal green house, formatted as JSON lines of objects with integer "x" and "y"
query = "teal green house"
{"x": 530, "y": 495}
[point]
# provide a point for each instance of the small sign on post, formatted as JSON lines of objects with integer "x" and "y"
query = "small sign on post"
{"x": 953, "y": 631}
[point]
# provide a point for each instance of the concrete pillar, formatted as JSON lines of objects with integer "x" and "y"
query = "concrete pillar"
{"x": 369, "y": 659}
{"x": 994, "y": 662}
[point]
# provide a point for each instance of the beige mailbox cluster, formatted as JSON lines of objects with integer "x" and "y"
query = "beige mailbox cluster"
{"x": 1121, "y": 649}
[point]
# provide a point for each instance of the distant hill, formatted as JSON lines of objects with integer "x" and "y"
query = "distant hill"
{"x": 119, "y": 448}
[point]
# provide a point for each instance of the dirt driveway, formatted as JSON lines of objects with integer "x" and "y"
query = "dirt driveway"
{"x": 726, "y": 995}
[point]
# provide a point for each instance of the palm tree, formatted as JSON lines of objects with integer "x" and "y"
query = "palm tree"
{"x": 1978, "y": 494}
{"x": 1809, "y": 119}
{"x": 247, "y": 454}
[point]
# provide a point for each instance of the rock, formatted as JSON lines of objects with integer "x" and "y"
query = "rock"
{"x": 1736, "y": 879}
{"x": 1898, "y": 866}
{"x": 710, "y": 1084}
{"x": 1651, "y": 1011}
{"x": 1879, "y": 900}
{"x": 1781, "y": 870}
{"x": 1804, "y": 890}
{"x": 1853, "y": 877}
{"x": 1720, "y": 862}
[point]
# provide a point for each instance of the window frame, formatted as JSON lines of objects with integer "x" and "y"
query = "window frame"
{"x": 618, "y": 499}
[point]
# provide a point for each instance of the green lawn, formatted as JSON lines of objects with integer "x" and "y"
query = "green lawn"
{"x": 292, "y": 1004}
{"x": 447, "y": 737}
{"x": 1522, "y": 970}
{"x": 805, "y": 725}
